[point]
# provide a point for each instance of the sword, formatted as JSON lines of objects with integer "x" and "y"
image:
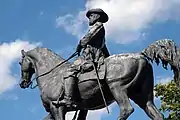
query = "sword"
{"x": 100, "y": 87}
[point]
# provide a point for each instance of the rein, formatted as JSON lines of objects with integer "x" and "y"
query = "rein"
{"x": 31, "y": 82}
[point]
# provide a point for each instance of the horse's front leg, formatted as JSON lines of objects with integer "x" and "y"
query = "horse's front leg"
{"x": 58, "y": 112}
{"x": 49, "y": 117}
{"x": 82, "y": 115}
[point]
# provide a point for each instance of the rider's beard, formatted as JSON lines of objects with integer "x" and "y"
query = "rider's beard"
{"x": 92, "y": 22}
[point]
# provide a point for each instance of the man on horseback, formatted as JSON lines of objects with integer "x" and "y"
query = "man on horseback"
{"x": 94, "y": 50}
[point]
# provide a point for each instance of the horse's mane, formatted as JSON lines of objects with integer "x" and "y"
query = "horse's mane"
{"x": 49, "y": 60}
{"x": 46, "y": 54}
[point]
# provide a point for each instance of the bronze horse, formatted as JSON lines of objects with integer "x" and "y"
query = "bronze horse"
{"x": 127, "y": 76}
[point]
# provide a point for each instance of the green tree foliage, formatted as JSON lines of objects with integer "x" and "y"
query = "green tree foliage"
{"x": 170, "y": 99}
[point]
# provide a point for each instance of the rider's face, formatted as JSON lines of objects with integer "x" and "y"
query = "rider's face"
{"x": 93, "y": 18}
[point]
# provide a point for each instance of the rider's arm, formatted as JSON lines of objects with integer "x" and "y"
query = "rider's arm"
{"x": 91, "y": 33}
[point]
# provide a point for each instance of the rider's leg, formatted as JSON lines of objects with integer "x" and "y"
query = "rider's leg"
{"x": 70, "y": 84}
{"x": 70, "y": 87}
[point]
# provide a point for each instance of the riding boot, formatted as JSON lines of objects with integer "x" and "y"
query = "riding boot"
{"x": 70, "y": 83}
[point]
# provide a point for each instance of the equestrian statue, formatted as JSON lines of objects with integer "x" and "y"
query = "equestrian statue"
{"x": 96, "y": 79}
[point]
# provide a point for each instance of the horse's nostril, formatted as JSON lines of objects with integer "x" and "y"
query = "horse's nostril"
{"x": 25, "y": 84}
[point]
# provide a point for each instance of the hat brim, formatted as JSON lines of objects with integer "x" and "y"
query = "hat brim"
{"x": 103, "y": 16}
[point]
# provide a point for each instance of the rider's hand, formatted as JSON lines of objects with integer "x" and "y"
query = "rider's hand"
{"x": 78, "y": 49}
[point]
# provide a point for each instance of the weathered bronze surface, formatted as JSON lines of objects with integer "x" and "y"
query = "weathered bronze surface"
{"x": 127, "y": 76}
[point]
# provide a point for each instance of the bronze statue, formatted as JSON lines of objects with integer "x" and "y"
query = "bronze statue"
{"x": 94, "y": 50}
{"x": 126, "y": 76}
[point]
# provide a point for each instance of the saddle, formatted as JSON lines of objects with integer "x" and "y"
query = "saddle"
{"x": 89, "y": 73}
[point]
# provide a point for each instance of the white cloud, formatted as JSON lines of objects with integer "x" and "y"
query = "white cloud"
{"x": 128, "y": 19}
{"x": 72, "y": 24}
{"x": 95, "y": 114}
{"x": 9, "y": 53}
{"x": 163, "y": 79}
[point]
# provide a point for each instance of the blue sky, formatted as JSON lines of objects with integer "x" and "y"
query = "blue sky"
{"x": 58, "y": 25}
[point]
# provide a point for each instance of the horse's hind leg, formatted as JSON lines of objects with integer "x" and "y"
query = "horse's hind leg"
{"x": 122, "y": 100}
{"x": 148, "y": 106}
{"x": 152, "y": 111}
{"x": 145, "y": 99}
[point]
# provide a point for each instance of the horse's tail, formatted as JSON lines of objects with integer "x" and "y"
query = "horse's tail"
{"x": 166, "y": 51}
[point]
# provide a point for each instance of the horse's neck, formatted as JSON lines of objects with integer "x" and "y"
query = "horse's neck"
{"x": 44, "y": 64}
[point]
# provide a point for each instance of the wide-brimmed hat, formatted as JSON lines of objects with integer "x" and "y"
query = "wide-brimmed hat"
{"x": 103, "y": 16}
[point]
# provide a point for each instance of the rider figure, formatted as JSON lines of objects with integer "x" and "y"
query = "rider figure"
{"x": 94, "y": 49}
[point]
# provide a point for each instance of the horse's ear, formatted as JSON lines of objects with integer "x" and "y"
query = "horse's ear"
{"x": 23, "y": 53}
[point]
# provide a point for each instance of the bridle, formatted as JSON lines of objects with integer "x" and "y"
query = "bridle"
{"x": 30, "y": 83}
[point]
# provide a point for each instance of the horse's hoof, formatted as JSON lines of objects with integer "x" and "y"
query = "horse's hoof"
{"x": 125, "y": 114}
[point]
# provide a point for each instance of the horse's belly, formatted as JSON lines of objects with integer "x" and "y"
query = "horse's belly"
{"x": 88, "y": 89}
{"x": 92, "y": 96}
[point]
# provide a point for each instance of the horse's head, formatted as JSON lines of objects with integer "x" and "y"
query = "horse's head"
{"x": 27, "y": 70}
